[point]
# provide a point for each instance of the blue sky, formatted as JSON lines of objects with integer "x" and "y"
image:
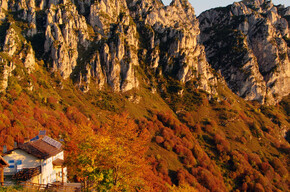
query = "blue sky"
{"x": 202, "y": 5}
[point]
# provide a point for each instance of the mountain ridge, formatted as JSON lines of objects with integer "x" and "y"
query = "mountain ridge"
{"x": 83, "y": 69}
{"x": 261, "y": 36}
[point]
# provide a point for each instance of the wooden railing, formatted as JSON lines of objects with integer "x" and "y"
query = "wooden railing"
{"x": 33, "y": 186}
{"x": 67, "y": 187}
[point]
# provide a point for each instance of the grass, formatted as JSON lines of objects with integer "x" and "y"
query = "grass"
{"x": 15, "y": 188}
{"x": 169, "y": 156}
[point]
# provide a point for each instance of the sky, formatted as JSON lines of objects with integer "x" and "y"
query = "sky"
{"x": 202, "y": 5}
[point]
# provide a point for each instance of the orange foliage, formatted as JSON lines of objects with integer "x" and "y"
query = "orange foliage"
{"x": 159, "y": 139}
{"x": 222, "y": 144}
{"x": 207, "y": 179}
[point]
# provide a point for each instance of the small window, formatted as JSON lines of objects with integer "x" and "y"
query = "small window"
{"x": 19, "y": 162}
{"x": 11, "y": 164}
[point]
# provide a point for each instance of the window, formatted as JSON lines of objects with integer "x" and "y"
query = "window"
{"x": 11, "y": 164}
{"x": 19, "y": 162}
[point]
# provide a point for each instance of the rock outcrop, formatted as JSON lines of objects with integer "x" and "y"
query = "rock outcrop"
{"x": 66, "y": 30}
{"x": 4, "y": 7}
{"x": 248, "y": 42}
{"x": 170, "y": 35}
{"x": 99, "y": 43}
{"x": 15, "y": 49}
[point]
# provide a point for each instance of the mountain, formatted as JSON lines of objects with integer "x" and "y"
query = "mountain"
{"x": 248, "y": 42}
{"x": 186, "y": 103}
{"x": 101, "y": 41}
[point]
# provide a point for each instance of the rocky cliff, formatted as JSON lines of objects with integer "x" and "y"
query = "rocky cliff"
{"x": 248, "y": 42}
{"x": 105, "y": 41}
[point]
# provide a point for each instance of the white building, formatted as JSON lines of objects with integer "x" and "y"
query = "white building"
{"x": 38, "y": 161}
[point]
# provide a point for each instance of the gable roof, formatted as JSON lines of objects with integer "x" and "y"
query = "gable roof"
{"x": 40, "y": 148}
{"x": 3, "y": 162}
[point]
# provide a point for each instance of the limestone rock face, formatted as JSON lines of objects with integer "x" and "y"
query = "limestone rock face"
{"x": 29, "y": 61}
{"x": 26, "y": 10}
{"x": 98, "y": 43}
{"x": 249, "y": 43}
{"x": 6, "y": 67}
{"x": 105, "y": 42}
{"x": 4, "y": 7}
{"x": 66, "y": 30}
{"x": 11, "y": 42}
{"x": 115, "y": 61}
{"x": 14, "y": 49}
{"x": 171, "y": 41}
{"x": 111, "y": 32}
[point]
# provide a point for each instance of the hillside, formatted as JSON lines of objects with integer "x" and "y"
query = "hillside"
{"x": 148, "y": 97}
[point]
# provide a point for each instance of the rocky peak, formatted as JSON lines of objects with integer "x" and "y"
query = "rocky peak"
{"x": 105, "y": 42}
{"x": 113, "y": 30}
{"x": 248, "y": 42}
{"x": 174, "y": 46}
{"x": 257, "y": 3}
{"x": 100, "y": 41}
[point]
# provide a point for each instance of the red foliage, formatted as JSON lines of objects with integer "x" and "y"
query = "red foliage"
{"x": 184, "y": 177}
{"x": 207, "y": 179}
{"x": 222, "y": 144}
{"x": 208, "y": 128}
{"x": 254, "y": 159}
{"x": 279, "y": 167}
{"x": 178, "y": 137}
{"x": 52, "y": 100}
{"x": 159, "y": 139}
{"x": 244, "y": 187}
{"x": 259, "y": 188}
{"x": 186, "y": 154}
{"x": 226, "y": 103}
{"x": 76, "y": 116}
{"x": 197, "y": 128}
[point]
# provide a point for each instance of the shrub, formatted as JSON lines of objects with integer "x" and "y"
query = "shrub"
{"x": 254, "y": 159}
{"x": 159, "y": 139}
{"x": 197, "y": 128}
{"x": 167, "y": 145}
{"x": 222, "y": 144}
{"x": 207, "y": 179}
{"x": 279, "y": 167}
{"x": 259, "y": 188}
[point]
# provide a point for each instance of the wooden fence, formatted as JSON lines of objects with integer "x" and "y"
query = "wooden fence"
{"x": 57, "y": 187}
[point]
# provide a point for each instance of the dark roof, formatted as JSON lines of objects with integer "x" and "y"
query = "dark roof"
{"x": 39, "y": 148}
{"x": 3, "y": 162}
{"x": 27, "y": 173}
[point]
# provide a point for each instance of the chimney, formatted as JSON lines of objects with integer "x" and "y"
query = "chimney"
{"x": 4, "y": 148}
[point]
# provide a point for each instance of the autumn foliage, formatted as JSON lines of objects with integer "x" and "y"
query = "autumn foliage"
{"x": 111, "y": 157}
{"x": 162, "y": 152}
